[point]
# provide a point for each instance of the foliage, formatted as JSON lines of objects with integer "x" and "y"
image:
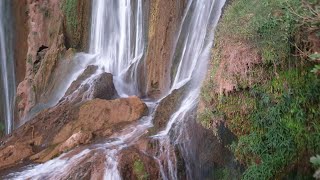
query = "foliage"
{"x": 316, "y": 69}
{"x": 315, "y": 57}
{"x": 266, "y": 24}
{"x": 277, "y": 121}
{"x": 2, "y": 129}
{"x": 139, "y": 170}
{"x": 283, "y": 127}
{"x": 315, "y": 160}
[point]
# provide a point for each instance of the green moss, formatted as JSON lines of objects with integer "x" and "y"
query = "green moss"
{"x": 268, "y": 25}
{"x": 222, "y": 174}
{"x": 29, "y": 59}
{"x": 70, "y": 9}
{"x": 139, "y": 170}
{"x": 2, "y": 129}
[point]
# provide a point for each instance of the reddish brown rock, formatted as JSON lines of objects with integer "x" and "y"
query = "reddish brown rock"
{"x": 20, "y": 13}
{"x": 47, "y": 48}
{"x": 12, "y": 154}
{"x": 66, "y": 126}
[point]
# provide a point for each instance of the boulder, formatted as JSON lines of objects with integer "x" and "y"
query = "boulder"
{"x": 103, "y": 87}
{"x": 65, "y": 126}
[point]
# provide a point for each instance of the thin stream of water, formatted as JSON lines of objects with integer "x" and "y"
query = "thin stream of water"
{"x": 7, "y": 74}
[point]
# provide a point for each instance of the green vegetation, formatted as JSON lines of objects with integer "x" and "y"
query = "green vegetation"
{"x": 222, "y": 174}
{"x": 1, "y": 129}
{"x": 315, "y": 160}
{"x": 283, "y": 127}
{"x": 139, "y": 170}
{"x": 70, "y": 11}
{"x": 277, "y": 116}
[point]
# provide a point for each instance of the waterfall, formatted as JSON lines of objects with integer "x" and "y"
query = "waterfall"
{"x": 7, "y": 76}
{"x": 195, "y": 39}
{"x": 117, "y": 38}
{"x": 118, "y": 46}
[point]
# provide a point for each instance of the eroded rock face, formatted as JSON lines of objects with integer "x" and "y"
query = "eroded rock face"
{"x": 65, "y": 126}
{"x": 49, "y": 46}
{"x": 164, "y": 19}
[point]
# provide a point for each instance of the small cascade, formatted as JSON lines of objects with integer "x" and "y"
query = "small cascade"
{"x": 7, "y": 75}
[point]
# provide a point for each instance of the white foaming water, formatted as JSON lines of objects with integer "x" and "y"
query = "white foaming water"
{"x": 118, "y": 45}
{"x": 7, "y": 75}
{"x": 117, "y": 37}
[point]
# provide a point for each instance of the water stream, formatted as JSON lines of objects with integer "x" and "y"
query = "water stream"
{"x": 7, "y": 75}
{"x": 118, "y": 46}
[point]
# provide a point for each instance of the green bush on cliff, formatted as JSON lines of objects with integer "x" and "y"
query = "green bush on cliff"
{"x": 277, "y": 121}
{"x": 284, "y": 128}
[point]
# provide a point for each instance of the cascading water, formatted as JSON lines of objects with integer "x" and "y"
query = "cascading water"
{"x": 7, "y": 76}
{"x": 117, "y": 38}
{"x": 118, "y": 46}
{"x": 195, "y": 39}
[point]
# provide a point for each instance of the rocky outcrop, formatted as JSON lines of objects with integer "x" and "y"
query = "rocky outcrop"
{"x": 164, "y": 20}
{"x": 69, "y": 126}
{"x": 135, "y": 165}
{"x": 48, "y": 46}
{"x": 165, "y": 109}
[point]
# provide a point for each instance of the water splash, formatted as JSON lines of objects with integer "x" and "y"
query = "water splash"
{"x": 7, "y": 74}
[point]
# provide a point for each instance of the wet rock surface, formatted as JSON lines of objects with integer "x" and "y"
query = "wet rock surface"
{"x": 89, "y": 71}
{"x": 165, "y": 109}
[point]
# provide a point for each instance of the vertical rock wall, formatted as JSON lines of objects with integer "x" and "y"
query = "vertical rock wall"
{"x": 164, "y": 21}
{"x": 44, "y": 24}
{"x": 20, "y": 11}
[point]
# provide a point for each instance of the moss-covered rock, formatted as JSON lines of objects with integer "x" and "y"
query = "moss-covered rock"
{"x": 77, "y": 15}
